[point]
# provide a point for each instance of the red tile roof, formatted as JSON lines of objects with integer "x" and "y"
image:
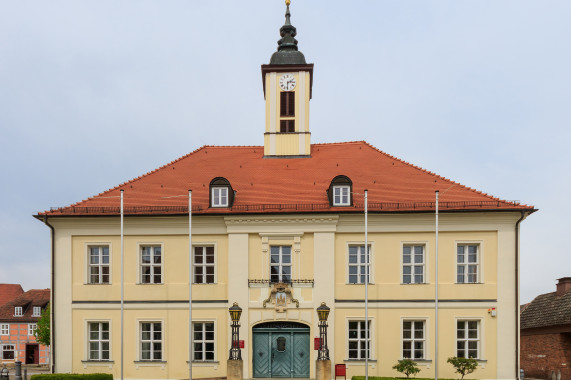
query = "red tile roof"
{"x": 286, "y": 185}
{"x": 33, "y": 297}
{"x": 9, "y": 291}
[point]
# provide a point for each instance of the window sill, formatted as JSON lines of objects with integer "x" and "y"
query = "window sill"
{"x": 359, "y": 361}
{"x": 205, "y": 363}
{"x": 204, "y": 283}
{"x": 150, "y": 363}
{"x": 97, "y": 363}
{"x": 150, "y": 283}
{"x": 350, "y": 283}
{"x": 469, "y": 283}
{"x": 97, "y": 283}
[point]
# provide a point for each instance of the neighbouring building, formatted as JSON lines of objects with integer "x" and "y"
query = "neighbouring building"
{"x": 9, "y": 291}
{"x": 546, "y": 334}
{"x": 18, "y": 322}
{"x": 279, "y": 229}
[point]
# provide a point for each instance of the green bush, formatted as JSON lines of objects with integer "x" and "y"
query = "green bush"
{"x": 72, "y": 376}
{"x": 407, "y": 367}
{"x": 464, "y": 366}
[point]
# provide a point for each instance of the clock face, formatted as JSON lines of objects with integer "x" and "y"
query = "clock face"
{"x": 287, "y": 82}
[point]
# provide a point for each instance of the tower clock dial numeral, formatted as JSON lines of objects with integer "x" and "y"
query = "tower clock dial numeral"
{"x": 287, "y": 82}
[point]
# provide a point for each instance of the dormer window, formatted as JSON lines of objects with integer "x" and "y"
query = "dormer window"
{"x": 37, "y": 311}
{"x": 221, "y": 193}
{"x": 340, "y": 191}
{"x": 18, "y": 312}
{"x": 341, "y": 195}
{"x": 219, "y": 197}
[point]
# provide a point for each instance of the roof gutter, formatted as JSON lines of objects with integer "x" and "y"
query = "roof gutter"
{"x": 524, "y": 214}
{"x": 52, "y": 297}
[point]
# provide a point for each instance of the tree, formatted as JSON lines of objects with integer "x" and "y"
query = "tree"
{"x": 463, "y": 366}
{"x": 43, "y": 327}
{"x": 407, "y": 366}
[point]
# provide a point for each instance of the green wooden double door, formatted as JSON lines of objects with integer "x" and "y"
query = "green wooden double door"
{"x": 281, "y": 350}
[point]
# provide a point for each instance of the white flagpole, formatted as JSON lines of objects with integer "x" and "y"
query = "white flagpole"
{"x": 122, "y": 285}
{"x": 436, "y": 298}
{"x": 190, "y": 284}
{"x": 366, "y": 291}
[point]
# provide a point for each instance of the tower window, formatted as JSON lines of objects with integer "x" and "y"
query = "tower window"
{"x": 287, "y": 104}
{"x": 287, "y": 126}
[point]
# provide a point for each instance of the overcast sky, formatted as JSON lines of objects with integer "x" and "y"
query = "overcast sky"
{"x": 94, "y": 93}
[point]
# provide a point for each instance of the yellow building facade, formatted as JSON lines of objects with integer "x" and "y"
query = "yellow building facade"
{"x": 280, "y": 229}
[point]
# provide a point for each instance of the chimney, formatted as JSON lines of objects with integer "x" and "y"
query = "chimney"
{"x": 563, "y": 285}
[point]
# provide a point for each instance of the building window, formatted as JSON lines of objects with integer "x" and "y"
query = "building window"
{"x": 99, "y": 264}
{"x": 203, "y": 341}
{"x": 221, "y": 193}
{"x": 287, "y": 126}
{"x": 7, "y": 352}
{"x": 468, "y": 259}
{"x": 413, "y": 338}
{"x": 287, "y": 103}
{"x": 204, "y": 265}
{"x": 37, "y": 311}
{"x": 151, "y": 264}
{"x": 339, "y": 192}
{"x": 98, "y": 340}
{"x": 359, "y": 340}
{"x": 32, "y": 327}
{"x": 4, "y": 329}
{"x": 18, "y": 311}
{"x": 358, "y": 264}
{"x": 413, "y": 264}
{"x": 280, "y": 263}
{"x": 468, "y": 339}
{"x": 219, "y": 197}
{"x": 151, "y": 341}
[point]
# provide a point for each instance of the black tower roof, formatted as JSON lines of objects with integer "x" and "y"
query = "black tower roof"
{"x": 287, "y": 53}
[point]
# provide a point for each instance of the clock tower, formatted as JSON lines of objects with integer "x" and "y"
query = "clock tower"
{"x": 287, "y": 81}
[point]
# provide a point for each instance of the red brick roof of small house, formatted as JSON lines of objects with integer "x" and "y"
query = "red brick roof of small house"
{"x": 547, "y": 310}
{"x": 287, "y": 185}
{"x": 27, "y": 300}
{"x": 9, "y": 291}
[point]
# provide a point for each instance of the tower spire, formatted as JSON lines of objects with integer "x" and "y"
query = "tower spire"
{"x": 287, "y": 53}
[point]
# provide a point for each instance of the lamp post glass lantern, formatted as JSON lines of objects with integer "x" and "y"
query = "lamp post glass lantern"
{"x": 235, "y": 313}
{"x": 322, "y": 314}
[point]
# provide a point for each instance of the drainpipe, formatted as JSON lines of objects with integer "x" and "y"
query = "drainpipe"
{"x": 517, "y": 350}
{"x": 52, "y": 298}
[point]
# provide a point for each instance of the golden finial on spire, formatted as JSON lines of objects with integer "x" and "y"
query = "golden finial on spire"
{"x": 288, "y": 2}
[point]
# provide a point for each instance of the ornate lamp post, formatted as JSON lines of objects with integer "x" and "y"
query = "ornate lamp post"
{"x": 235, "y": 352}
{"x": 322, "y": 314}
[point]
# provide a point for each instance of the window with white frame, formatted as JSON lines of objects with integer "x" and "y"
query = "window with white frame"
{"x": 468, "y": 339}
{"x": 359, "y": 340}
{"x": 32, "y": 327}
{"x": 98, "y": 341}
{"x": 4, "y": 329}
{"x": 341, "y": 195}
{"x": 18, "y": 311}
{"x": 280, "y": 263}
{"x": 413, "y": 339}
{"x": 220, "y": 197}
{"x": 151, "y": 264}
{"x": 468, "y": 263}
{"x": 413, "y": 259}
{"x": 7, "y": 352}
{"x": 358, "y": 264}
{"x": 203, "y": 341}
{"x": 151, "y": 341}
{"x": 37, "y": 311}
{"x": 203, "y": 263}
{"x": 98, "y": 264}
